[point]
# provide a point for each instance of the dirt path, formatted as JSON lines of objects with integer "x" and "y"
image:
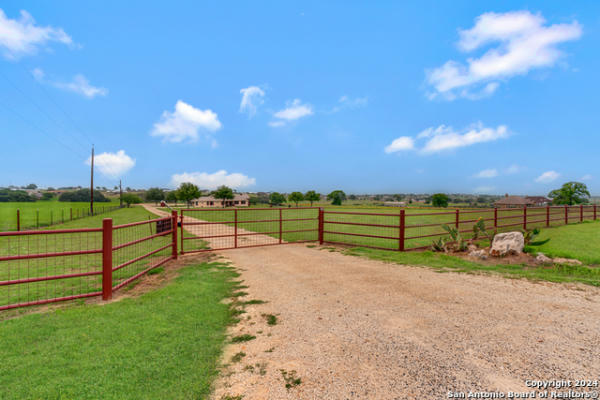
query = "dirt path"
{"x": 354, "y": 328}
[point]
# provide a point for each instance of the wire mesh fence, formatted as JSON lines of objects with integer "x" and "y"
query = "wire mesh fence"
{"x": 45, "y": 266}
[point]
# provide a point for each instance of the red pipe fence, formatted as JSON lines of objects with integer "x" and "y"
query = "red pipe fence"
{"x": 46, "y": 266}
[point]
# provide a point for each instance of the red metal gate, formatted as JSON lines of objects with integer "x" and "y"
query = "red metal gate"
{"x": 219, "y": 229}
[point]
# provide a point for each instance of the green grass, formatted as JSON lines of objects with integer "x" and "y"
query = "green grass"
{"x": 165, "y": 344}
{"x": 443, "y": 263}
{"x": 10, "y": 270}
{"x": 579, "y": 241}
{"x": 44, "y": 213}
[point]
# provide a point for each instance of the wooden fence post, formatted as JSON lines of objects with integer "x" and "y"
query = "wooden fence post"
{"x": 107, "y": 231}
{"x": 547, "y": 215}
{"x": 581, "y": 213}
{"x": 18, "y": 219}
{"x": 457, "y": 218}
{"x": 174, "y": 234}
{"x": 594, "y": 212}
{"x": 566, "y": 214}
{"x": 321, "y": 219}
{"x": 525, "y": 217}
{"x": 495, "y": 217}
{"x": 402, "y": 229}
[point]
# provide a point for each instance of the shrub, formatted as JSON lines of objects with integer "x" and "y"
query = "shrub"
{"x": 83, "y": 195}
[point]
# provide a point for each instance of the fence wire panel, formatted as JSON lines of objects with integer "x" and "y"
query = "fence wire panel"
{"x": 423, "y": 228}
{"x": 30, "y": 218}
{"x": 368, "y": 229}
{"x": 139, "y": 247}
{"x": 213, "y": 229}
{"x": 46, "y": 266}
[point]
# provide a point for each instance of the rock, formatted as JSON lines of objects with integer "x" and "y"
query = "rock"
{"x": 471, "y": 247}
{"x": 481, "y": 254}
{"x": 543, "y": 259}
{"x": 507, "y": 243}
{"x": 569, "y": 261}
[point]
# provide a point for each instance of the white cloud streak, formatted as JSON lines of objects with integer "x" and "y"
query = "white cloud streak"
{"x": 547, "y": 177}
{"x": 20, "y": 37}
{"x": 346, "y": 102}
{"x": 112, "y": 165}
{"x": 445, "y": 138}
{"x": 252, "y": 98}
{"x": 185, "y": 123}
{"x": 523, "y": 42}
{"x": 79, "y": 84}
{"x": 212, "y": 181}
{"x": 293, "y": 111}
{"x": 487, "y": 173}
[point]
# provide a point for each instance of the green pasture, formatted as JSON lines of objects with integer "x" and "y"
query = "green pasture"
{"x": 164, "y": 344}
{"x": 45, "y": 213}
{"x": 64, "y": 242}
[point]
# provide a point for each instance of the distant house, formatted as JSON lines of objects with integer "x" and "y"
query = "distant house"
{"x": 539, "y": 201}
{"x": 394, "y": 203}
{"x": 514, "y": 201}
{"x": 239, "y": 200}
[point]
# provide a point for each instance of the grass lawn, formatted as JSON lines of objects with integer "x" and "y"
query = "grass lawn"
{"x": 164, "y": 344}
{"x": 44, "y": 213}
{"x": 444, "y": 262}
{"x": 580, "y": 241}
{"x": 41, "y": 267}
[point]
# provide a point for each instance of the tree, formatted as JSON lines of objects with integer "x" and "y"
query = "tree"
{"x": 570, "y": 193}
{"x": 439, "y": 200}
{"x": 276, "y": 199}
{"x": 31, "y": 186}
{"x": 155, "y": 195}
{"x": 224, "y": 193}
{"x": 171, "y": 196}
{"x": 336, "y": 197}
{"x": 47, "y": 196}
{"x": 130, "y": 198}
{"x": 295, "y": 197}
{"x": 82, "y": 195}
{"x": 312, "y": 196}
{"x": 187, "y": 192}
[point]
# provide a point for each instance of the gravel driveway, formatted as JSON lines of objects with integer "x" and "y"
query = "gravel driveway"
{"x": 354, "y": 328}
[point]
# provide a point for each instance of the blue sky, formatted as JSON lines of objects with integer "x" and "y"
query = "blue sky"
{"x": 368, "y": 97}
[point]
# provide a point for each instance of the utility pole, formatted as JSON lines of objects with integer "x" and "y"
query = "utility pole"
{"x": 120, "y": 194}
{"x": 92, "y": 184}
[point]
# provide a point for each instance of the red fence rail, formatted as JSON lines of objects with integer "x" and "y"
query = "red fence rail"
{"x": 47, "y": 266}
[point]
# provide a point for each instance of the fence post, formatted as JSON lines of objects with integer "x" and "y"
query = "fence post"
{"x": 566, "y": 214}
{"x": 235, "y": 227}
{"x": 280, "y": 226}
{"x": 547, "y": 215}
{"x": 321, "y": 218}
{"x": 51, "y": 217}
{"x": 107, "y": 231}
{"x": 18, "y": 219}
{"x": 71, "y": 213}
{"x": 37, "y": 218}
{"x": 495, "y": 217}
{"x": 581, "y": 213}
{"x": 174, "y": 234}
{"x": 402, "y": 228}
{"x": 594, "y": 212}
{"x": 525, "y": 217}
{"x": 181, "y": 232}
{"x": 457, "y": 218}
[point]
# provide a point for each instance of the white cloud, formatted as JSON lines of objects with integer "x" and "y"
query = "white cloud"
{"x": 399, "y": 144}
{"x": 513, "y": 169}
{"x": 586, "y": 177}
{"x": 487, "y": 173}
{"x": 185, "y": 122}
{"x": 523, "y": 41}
{"x": 484, "y": 189}
{"x": 252, "y": 98}
{"x": 112, "y": 165}
{"x": 547, "y": 177}
{"x": 442, "y": 138}
{"x": 448, "y": 139}
{"x": 79, "y": 84}
{"x": 19, "y": 37}
{"x": 294, "y": 110}
{"x": 212, "y": 181}
{"x": 349, "y": 102}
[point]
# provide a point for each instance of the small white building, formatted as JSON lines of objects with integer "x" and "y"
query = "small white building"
{"x": 239, "y": 200}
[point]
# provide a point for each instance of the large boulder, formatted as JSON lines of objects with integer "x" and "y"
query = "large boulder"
{"x": 507, "y": 243}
